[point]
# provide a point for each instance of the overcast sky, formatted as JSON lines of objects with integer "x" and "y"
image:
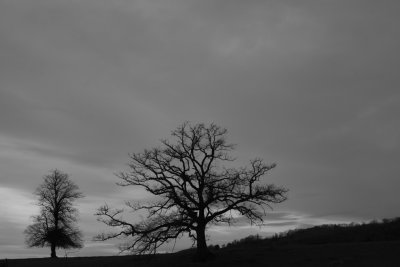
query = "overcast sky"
{"x": 310, "y": 85}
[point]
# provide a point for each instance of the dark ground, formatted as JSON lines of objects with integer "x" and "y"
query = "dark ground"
{"x": 386, "y": 253}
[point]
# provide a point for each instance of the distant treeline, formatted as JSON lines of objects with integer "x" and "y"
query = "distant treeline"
{"x": 386, "y": 230}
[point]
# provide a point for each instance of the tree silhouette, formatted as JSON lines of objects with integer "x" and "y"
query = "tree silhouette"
{"x": 192, "y": 190}
{"x": 55, "y": 225}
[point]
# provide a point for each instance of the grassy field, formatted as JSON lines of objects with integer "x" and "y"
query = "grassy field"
{"x": 341, "y": 254}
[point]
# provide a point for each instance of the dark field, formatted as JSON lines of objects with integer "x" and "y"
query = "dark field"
{"x": 341, "y": 254}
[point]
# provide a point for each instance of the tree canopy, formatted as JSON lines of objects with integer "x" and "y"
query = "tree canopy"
{"x": 192, "y": 189}
{"x": 55, "y": 225}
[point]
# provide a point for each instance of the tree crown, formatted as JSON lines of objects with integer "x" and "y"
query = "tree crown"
{"x": 192, "y": 188}
{"x": 54, "y": 226}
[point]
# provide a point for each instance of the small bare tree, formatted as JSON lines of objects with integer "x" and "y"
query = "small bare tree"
{"x": 55, "y": 225}
{"x": 192, "y": 188}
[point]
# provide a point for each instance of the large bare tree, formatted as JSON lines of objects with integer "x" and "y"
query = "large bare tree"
{"x": 55, "y": 225}
{"x": 192, "y": 190}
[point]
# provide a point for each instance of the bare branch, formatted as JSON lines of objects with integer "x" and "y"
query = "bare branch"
{"x": 55, "y": 225}
{"x": 193, "y": 189}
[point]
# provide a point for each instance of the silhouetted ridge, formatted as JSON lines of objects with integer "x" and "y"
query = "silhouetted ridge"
{"x": 386, "y": 230}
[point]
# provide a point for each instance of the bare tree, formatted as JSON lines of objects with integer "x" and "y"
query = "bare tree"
{"x": 192, "y": 190}
{"x": 55, "y": 225}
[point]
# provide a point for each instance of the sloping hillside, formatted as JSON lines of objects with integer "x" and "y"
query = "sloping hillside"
{"x": 373, "y": 244}
{"x": 386, "y": 230}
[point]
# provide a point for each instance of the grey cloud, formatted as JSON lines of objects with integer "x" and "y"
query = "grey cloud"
{"x": 95, "y": 80}
{"x": 282, "y": 224}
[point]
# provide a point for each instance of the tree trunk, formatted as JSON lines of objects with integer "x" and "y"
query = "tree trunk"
{"x": 53, "y": 250}
{"x": 55, "y": 232}
{"x": 202, "y": 250}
